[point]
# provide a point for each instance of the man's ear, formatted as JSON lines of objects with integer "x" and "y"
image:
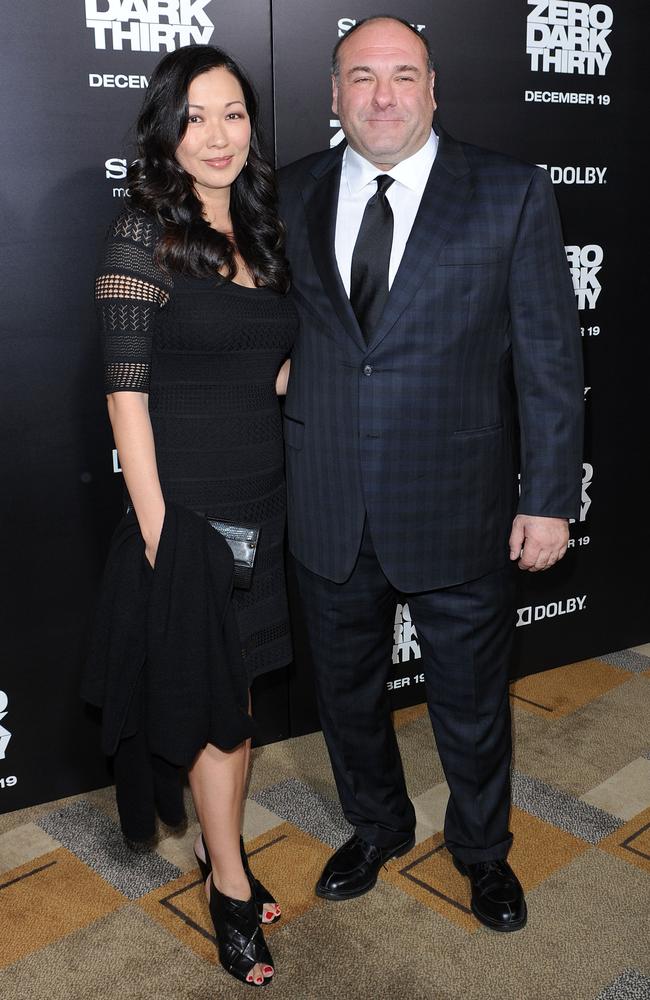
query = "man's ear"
{"x": 432, "y": 80}
{"x": 335, "y": 95}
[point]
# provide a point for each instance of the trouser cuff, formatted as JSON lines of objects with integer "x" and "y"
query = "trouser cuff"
{"x": 472, "y": 855}
{"x": 384, "y": 839}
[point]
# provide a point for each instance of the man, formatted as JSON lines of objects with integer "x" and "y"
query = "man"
{"x": 436, "y": 308}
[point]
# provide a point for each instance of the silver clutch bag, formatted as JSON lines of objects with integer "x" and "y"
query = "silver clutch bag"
{"x": 242, "y": 539}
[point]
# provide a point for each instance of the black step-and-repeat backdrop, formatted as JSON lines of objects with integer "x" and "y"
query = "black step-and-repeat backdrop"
{"x": 555, "y": 82}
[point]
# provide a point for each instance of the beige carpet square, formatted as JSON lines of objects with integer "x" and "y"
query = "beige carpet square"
{"x": 258, "y": 820}
{"x": 577, "y": 752}
{"x": 23, "y": 844}
{"x": 417, "y": 746}
{"x": 625, "y": 793}
{"x": 430, "y": 808}
{"x": 178, "y": 848}
{"x": 554, "y": 693}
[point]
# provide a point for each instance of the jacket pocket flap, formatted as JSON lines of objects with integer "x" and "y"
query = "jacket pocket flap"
{"x": 294, "y": 432}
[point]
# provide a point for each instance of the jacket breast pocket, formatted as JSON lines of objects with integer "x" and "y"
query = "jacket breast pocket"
{"x": 479, "y": 432}
{"x": 294, "y": 432}
{"x": 469, "y": 256}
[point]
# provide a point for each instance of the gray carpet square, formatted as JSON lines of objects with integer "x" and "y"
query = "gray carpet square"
{"x": 630, "y": 985}
{"x": 301, "y": 805}
{"x": 97, "y": 841}
{"x": 627, "y": 659}
{"x": 562, "y": 809}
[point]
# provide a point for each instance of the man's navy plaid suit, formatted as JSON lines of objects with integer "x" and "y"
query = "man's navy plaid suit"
{"x": 402, "y": 462}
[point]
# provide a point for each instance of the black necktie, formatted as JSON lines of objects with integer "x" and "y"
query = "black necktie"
{"x": 370, "y": 259}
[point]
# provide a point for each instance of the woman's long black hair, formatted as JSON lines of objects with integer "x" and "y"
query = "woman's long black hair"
{"x": 160, "y": 186}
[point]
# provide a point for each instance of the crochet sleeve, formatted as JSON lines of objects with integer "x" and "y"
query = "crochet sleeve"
{"x": 130, "y": 289}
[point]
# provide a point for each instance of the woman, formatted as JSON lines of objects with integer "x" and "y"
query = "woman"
{"x": 196, "y": 332}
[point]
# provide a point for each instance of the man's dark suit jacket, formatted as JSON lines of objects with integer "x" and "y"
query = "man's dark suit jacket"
{"x": 474, "y": 374}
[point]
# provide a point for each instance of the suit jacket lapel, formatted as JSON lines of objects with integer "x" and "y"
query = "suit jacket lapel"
{"x": 447, "y": 190}
{"x": 321, "y": 203}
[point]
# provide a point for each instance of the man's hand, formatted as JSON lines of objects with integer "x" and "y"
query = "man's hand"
{"x": 538, "y": 542}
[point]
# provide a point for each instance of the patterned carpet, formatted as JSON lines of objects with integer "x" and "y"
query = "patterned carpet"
{"x": 83, "y": 917}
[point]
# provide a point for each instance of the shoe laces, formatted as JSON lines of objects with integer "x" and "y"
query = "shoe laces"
{"x": 488, "y": 868}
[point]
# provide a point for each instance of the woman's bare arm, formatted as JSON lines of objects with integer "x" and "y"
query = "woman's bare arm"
{"x": 133, "y": 435}
{"x": 282, "y": 380}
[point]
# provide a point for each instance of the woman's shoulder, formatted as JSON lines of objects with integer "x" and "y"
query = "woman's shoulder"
{"x": 130, "y": 246}
{"x": 136, "y": 226}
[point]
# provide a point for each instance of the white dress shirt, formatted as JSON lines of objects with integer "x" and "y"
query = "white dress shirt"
{"x": 358, "y": 185}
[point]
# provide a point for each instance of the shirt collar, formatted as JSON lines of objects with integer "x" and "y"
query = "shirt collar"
{"x": 413, "y": 172}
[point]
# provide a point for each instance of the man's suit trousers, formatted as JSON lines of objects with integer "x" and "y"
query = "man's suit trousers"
{"x": 465, "y": 633}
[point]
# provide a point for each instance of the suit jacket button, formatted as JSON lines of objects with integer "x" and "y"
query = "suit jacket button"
{"x": 367, "y": 370}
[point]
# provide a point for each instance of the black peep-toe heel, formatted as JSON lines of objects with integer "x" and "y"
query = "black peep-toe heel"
{"x": 240, "y": 940}
{"x": 261, "y": 894}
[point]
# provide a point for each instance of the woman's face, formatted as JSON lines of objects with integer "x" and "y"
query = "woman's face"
{"x": 217, "y": 138}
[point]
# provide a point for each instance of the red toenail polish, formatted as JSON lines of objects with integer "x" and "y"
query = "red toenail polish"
{"x": 269, "y": 915}
{"x": 268, "y": 968}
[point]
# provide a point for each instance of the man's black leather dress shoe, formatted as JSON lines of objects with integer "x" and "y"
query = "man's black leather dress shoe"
{"x": 497, "y": 897}
{"x": 353, "y": 869}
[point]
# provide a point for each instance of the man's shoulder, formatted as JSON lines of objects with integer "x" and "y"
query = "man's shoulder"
{"x": 492, "y": 163}
{"x": 313, "y": 164}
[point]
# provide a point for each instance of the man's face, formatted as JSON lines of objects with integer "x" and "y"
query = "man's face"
{"x": 383, "y": 95}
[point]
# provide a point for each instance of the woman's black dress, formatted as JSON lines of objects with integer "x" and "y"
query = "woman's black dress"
{"x": 208, "y": 352}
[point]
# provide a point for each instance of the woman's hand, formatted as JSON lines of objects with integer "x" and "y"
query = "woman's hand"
{"x": 152, "y": 539}
{"x": 129, "y": 415}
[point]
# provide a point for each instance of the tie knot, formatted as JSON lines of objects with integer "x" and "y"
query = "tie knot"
{"x": 383, "y": 183}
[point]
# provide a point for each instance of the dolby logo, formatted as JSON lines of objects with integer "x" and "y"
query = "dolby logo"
{"x": 576, "y": 175}
{"x": 555, "y": 609}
